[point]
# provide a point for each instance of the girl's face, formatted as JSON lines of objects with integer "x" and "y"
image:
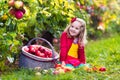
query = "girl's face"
{"x": 74, "y": 29}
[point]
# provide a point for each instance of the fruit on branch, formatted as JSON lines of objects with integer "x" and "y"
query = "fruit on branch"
{"x": 18, "y": 14}
{"x": 16, "y": 8}
{"x": 11, "y": 3}
{"x": 18, "y": 4}
{"x": 12, "y": 12}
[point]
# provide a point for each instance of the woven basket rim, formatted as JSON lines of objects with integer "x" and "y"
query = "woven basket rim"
{"x": 56, "y": 56}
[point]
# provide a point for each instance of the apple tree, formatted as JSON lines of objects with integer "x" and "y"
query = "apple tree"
{"x": 21, "y": 20}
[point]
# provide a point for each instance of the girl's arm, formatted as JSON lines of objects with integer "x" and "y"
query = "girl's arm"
{"x": 81, "y": 54}
{"x": 63, "y": 47}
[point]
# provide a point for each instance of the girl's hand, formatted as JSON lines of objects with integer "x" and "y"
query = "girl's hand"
{"x": 63, "y": 63}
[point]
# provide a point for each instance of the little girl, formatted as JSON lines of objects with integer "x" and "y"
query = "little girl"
{"x": 72, "y": 43}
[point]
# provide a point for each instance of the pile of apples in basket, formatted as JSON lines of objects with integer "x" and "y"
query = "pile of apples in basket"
{"x": 39, "y": 50}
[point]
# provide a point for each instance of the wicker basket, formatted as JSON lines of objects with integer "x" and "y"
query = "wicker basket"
{"x": 28, "y": 60}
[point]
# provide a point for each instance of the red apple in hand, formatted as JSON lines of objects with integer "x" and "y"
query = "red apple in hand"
{"x": 102, "y": 69}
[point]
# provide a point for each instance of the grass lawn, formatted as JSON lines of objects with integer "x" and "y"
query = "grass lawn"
{"x": 104, "y": 52}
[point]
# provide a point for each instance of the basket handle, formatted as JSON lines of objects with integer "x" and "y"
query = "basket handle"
{"x": 53, "y": 51}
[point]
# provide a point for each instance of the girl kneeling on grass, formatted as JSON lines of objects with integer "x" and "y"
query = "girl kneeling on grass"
{"x": 72, "y": 43}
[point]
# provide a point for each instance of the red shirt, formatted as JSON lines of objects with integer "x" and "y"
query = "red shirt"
{"x": 65, "y": 44}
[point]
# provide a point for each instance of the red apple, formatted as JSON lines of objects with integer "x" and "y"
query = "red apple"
{"x": 55, "y": 40}
{"x": 94, "y": 68}
{"x": 32, "y": 49}
{"x": 46, "y": 54}
{"x": 67, "y": 69}
{"x": 57, "y": 65}
{"x": 49, "y": 54}
{"x": 102, "y": 69}
{"x": 36, "y": 47}
{"x": 42, "y": 49}
{"x": 11, "y": 3}
{"x": 37, "y": 53}
{"x": 26, "y": 49}
{"x": 18, "y": 4}
{"x": 12, "y": 12}
{"x": 18, "y": 14}
{"x": 42, "y": 55}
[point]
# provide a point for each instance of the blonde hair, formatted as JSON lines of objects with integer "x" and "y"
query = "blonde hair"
{"x": 83, "y": 33}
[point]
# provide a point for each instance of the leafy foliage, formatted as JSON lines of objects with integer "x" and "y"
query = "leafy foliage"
{"x": 39, "y": 16}
{"x": 53, "y": 16}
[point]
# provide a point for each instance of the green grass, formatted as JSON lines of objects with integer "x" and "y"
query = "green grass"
{"x": 105, "y": 52}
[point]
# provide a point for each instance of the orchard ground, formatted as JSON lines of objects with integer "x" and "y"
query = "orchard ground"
{"x": 104, "y": 52}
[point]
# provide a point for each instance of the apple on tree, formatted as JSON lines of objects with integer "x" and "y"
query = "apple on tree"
{"x": 18, "y": 14}
{"x": 12, "y": 11}
{"x": 11, "y": 3}
{"x": 18, "y": 4}
{"x": 16, "y": 8}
